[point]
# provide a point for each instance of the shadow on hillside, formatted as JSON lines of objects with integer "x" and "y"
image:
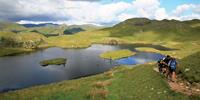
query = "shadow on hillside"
{"x": 158, "y": 47}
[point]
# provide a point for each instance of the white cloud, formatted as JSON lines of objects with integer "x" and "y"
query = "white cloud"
{"x": 30, "y": 8}
{"x": 189, "y": 17}
{"x": 146, "y": 8}
{"x": 149, "y": 9}
{"x": 161, "y": 14}
{"x": 125, "y": 16}
{"x": 197, "y": 9}
{"x": 152, "y": 9}
{"x": 182, "y": 8}
{"x": 96, "y": 12}
{"x": 81, "y": 12}
{"x": 178, "y": 13}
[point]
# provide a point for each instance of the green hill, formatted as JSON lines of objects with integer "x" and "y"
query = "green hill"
{"x": 193, "y": 23}
{"x": 87, "y": 27}
{"x": 63, "y": 29}
{"x": 8, "y": 26}
{"x": 164, "y": 29}
{"x": 21, "y": 40}
{"x": 49, "y": 30}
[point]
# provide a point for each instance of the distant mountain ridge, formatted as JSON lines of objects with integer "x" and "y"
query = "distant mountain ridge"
{"x": 39, "y": 25}
{"x": 47, "y": 29}
{"x": 50, "y": 29}
{"x": 84, "y": 26}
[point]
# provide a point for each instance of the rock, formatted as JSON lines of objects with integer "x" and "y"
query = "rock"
{"x": 181, "y": 84}
{"x": 159, "y": 92}
{"x": 187, "y": 69}
{"x": 187, "y": 83}
{"x": 164, "y": 91}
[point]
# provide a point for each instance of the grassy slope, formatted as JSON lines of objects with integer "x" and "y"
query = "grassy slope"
{"x": 49, "y": 30}
{"x": 190, "y": 68}
{"x": 140, "y": 82}
{"x": 8, "y": 26}
{"x": 152, "y": 30}
{"x": 13, "y": 51}
{"x": 17, "y": 43}
{"x": 30, "y": 36}
{"x": 80, "y": 40}
{"x": 88, "y": 27}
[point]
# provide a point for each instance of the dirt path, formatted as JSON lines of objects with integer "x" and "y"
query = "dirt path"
{"x": 183, "y": 86}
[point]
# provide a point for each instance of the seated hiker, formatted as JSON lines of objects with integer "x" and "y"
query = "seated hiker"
{"x": 172, "y": 69}
{"x": 159, "y": 66}
{"x": 162, "y": 66}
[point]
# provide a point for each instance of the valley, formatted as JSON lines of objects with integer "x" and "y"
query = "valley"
{"x": 179, "y": 39}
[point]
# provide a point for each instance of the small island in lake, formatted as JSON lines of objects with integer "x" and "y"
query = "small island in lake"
{"x": 56, "y": 61}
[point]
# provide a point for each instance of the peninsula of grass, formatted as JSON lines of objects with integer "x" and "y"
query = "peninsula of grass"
{"x": 56, "y": 61}
{"x": 13, "y": 51}
{"x": 147, "y": 49}
{"x": 117, "y": 54}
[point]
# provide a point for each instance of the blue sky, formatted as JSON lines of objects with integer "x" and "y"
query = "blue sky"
{"x": 172, "y": 4}
{"x": 99, "y": 12}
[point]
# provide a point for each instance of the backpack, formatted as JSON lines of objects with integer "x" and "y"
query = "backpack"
{"x": 172, "y": 63}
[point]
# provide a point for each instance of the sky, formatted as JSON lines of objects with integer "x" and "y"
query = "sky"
{"x": 98, "y": 12}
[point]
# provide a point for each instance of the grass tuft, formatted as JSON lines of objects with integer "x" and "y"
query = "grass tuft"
{"x": 96, "y": 94}
{"x": 102, "y": 84}
{"x": 110, "y": 74}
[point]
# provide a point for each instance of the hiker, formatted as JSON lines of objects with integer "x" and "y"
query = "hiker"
{"x": 162, "y": 66}
{"x": 167, "y": 59}
{"x": 165, "y": 62}
{"x": 172, "y": 69}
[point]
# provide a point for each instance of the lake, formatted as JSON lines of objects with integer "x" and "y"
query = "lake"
{"x": 24, "y": 70}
